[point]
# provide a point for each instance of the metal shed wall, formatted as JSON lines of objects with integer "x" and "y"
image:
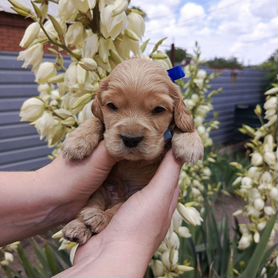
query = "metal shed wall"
{"x": 240, "y": 87}
{"x": 21, "y": 148}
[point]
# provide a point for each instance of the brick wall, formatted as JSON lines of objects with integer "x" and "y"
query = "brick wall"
{"x": 12, "y": 28}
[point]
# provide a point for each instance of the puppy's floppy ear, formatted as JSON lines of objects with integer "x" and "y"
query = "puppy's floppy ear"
{"x": 96, "y": 108}
{"x": 96, "y": 105}
{"x": 182, "y": 116}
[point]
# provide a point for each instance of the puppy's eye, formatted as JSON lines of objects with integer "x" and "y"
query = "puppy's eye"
{"x": 158, "y": 110}
{"x": 112, "y": 106}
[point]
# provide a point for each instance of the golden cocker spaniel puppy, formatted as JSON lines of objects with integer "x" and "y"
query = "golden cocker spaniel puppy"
{"x": 133, "y": 110}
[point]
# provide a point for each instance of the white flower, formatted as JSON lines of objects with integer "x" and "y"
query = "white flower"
{"x": 245, "y": 241}
{"x": 157, "y": 268}
{"x": 31, "y": 109}
{"x": 81, "y": 5}
{"x": 45, "y": 124}
{"x": 251, "y": 211}
{"x": 31, "y": 56}
{"x": 136, "y": 24}
{"x": 30, "y": 34}
{"x": 174, "y": 256}
{"x": 246, "y": 182}
{"x": 45, "y": 71}
{"x": 258, "y": 204}
{"x": 190, "y": 214}
{"x": 72, "y": 253}
{"x": 173, "y": 241}
{"x": 58, "y": 235}
{"x": 271, "y": 103}
{"x": 268, "y": 143}
{"x": 266, "y": 177}
{"x": 176, "y": 220}
{"x": 184, "y": 268}
{"x": 13, "y": 246}
{"x": 8, "y": 257}
{"x": 67, "y": 10}
{"x": 256, "y": 237}
{"x": 274, "y": 194}
{"x": 71, "y": 76}
{"x": 91, "y": 45}
{"x": 202, "y": 110}
{"x": 112, "y": 25}
{"x": 201, "y": 129}
{"x": 75, "y": 35}
{"x": 261, "y": 225}
{"x": 86, "y": 113}
{"x": 81, "y": 74}
{"x": 184, "y": 232}
{"x": 201, "y": 74}
{"x": 269, "y": 211}
{"x": 269, "y": 158}
{"x": 253, "y": 172}
{"x": 254, "y": 193}
{"x": 256, "y": 159}
{"x": 88, "y": 64}
{"x": 166, "y": 259}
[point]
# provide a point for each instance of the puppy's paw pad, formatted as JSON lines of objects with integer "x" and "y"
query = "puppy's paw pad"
{"x": 76, "y": 148}
{"x": 188, "y": 147}
{"x": 95, "y": 219}
{"x": 77, "y": 232}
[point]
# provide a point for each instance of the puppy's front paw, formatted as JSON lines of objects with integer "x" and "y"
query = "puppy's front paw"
{"x": 188, "y": 147}
{"x": 94, "y": 218}
{"x": 77, "y": 148}
{"x": 76, "y": 231}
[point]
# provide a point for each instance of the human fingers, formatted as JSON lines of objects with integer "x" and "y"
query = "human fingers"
{"x": 163, "y": 184}
{"x": 79, "y": 178}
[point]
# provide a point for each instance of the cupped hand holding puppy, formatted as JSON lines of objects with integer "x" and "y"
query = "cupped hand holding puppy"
{"x": 32, "y": 202}
{"x": 126, "y": 246}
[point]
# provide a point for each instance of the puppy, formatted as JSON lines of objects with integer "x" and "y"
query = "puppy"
{"x": 133, "y": 109}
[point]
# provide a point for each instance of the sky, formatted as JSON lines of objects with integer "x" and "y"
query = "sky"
{"x": 246, "y": 29}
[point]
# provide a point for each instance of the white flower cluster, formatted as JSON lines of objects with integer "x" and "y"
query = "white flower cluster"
{"x": 258, "y": 184}
{"x": 193, "y": 177}
{"x": 97, "y": 35}
{"x": 166, "y": 261}
{"x": 6, "y": 253}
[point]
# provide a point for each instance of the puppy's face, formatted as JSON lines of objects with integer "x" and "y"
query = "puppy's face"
{"x": 136, "y": 106}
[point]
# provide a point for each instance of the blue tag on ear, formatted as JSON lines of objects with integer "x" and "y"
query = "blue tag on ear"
{"x": 168, "y": 135}
{"x": 176, "y": 73}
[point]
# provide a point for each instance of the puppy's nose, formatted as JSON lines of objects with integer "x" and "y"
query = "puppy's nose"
{"x": 131, "y": 142}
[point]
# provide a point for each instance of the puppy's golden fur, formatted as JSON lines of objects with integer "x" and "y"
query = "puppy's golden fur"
{"x": 137, "y": 102}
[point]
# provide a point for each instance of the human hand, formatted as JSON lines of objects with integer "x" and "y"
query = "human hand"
{"x": 126, "y": 246}
{"x": 33, "y": 202}
{"x": 73, "y": 182}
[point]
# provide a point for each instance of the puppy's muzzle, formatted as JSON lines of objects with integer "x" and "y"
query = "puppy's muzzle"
{"x": 131, "y": 142}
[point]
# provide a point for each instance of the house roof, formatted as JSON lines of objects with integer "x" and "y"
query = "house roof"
{"x": 6, "y": 6}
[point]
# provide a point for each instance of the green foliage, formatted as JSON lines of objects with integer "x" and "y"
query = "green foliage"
{"x": 271, "y": 66}
{"x": 223, "y": 63}
{"x": 181, "y": 55}
{"x": 213, "y": 253}
{"x": 223, "y": 173}
{"x": 44, "y": 260}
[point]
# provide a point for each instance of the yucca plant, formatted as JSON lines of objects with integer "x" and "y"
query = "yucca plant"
{"x": 212, "y": 251}
{"x": 44, "y": 260}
